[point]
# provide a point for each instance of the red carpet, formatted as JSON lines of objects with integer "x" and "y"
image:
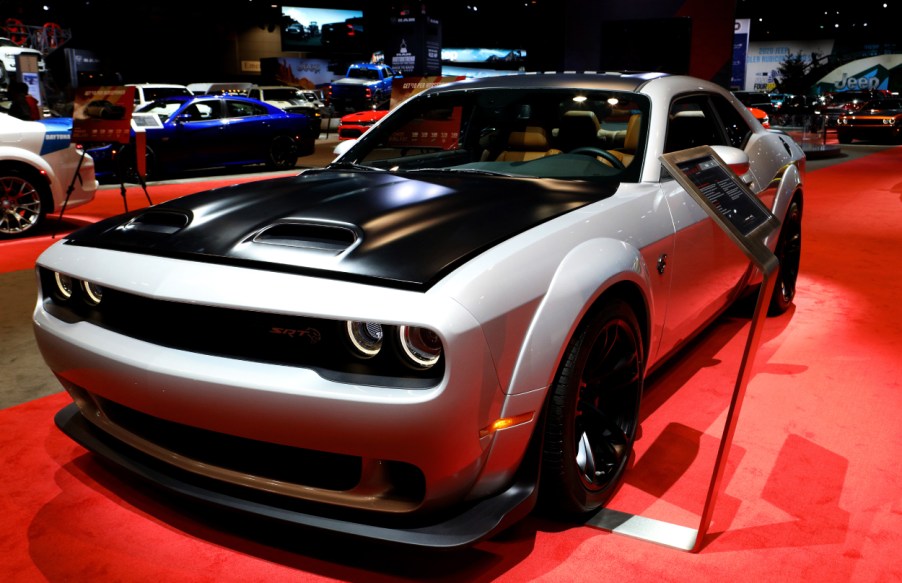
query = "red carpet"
{"x": 813, "y": 491}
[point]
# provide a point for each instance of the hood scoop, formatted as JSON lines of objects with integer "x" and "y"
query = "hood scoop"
{"x": 328, "y": 237}
{"x": 163, "y": 222}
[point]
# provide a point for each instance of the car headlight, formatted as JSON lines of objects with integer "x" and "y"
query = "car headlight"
{"x": 93, "y": 292}
{"x": 421, "y": 346}
{"x": 365, "y": 337}
{"x": 63, "y": 284}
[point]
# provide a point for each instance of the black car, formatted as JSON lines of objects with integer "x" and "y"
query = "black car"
{"x": 839, "y": 103}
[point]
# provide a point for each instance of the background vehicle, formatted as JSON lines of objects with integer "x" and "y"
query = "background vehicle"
{"x": 794, "y": 110}
{"x": 146, "y": 92}
{"x": 364, "y": 86}
{"x": 209, "y": 131}
{"x": 874, "y": 120}
{"x": 352, "y": 126}
{"x": 226, "y": 88}
{"x": 37, "y": 164}
{"x": 842, "y": 103}
{"x": 414, "y": 344}
{"x": 8, "y": 53}
{"x": 291, "y": 99}
{"x": 756, "y": 99}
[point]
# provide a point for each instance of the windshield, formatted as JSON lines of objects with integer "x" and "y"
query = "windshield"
{"x": 568, "y": 134}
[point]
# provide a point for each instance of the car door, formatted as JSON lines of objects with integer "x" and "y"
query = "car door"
{"x": 248, "y": 131}
{"x": 707, "y": 268}
{"x": 196, "y": 140}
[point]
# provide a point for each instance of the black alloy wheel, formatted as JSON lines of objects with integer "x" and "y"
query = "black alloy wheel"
{"x": 23, "y": 203}
{"x": 593, "y": 413}
{"x": 789, "y": 254}
{"x": 283, "y": 153}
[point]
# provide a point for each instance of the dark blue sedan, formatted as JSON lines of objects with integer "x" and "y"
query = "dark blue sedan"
{"x": 193, "y": 132}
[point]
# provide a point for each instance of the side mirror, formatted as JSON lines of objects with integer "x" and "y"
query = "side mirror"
{"x": 343, "y": 147}
{"x": 736, "y": 159}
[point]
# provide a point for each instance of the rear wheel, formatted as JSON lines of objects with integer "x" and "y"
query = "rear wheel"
{"x": 23, "y": 203}
{"x": 282, "y": 154}
{"x": 594, "y": 412}
{"x": 789, "y": 254}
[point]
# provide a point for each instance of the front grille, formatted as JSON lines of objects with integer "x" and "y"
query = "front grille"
{"x": 315, "y": 343}
{"x": 266, "y": 460}
{"x": 858, "y": 122}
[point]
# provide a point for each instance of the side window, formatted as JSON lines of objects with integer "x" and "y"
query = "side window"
{"x": 243, "y": 109}
{"x": 207, "y": 110}
{"x": 737, "y": 129}
{"x": 692, "y": 123}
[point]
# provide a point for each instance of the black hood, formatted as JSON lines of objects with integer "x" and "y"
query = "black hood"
{"x": 405, "y": 230}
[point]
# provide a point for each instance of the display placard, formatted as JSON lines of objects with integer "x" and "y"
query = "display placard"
{"x": 725, "y": 197}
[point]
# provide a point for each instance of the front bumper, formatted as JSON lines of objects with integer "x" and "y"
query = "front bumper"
{"x": 467, "y": 526}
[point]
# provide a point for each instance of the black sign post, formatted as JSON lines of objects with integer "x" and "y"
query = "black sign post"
{"x": 739, "y": 212}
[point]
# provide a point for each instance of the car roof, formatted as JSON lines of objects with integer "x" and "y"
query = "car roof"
{"x": 626, "y": 81}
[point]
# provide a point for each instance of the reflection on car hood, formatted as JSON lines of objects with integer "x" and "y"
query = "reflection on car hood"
{"x": 886, "y": 112}
{"x": 405, "y": 232}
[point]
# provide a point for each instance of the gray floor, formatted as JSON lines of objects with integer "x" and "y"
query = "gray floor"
{"x": 23, "y": 375}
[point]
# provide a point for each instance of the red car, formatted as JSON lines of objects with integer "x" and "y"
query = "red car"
{"x": 352, "y": 126}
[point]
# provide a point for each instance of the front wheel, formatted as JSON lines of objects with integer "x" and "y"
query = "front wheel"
{"x": 789, "y": 254}
{"x": 593, "y": 412}
{"x": 23, "y": 204}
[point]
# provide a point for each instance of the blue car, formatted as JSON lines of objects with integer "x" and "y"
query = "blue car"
{"x": 207, "y": 131}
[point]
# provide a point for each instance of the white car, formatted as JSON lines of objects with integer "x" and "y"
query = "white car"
{"x": 37, "y": 164}
{"x": 147, "y": 92}
{"x": 8, "y": 53}
{"x": 290, "y": 99}
{"x": 451, "y": 321}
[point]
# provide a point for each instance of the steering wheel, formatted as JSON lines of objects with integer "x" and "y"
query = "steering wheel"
{"x": 593, "y": 151}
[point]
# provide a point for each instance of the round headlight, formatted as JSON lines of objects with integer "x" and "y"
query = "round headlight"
{"x": 63, "y": 284}
{"x": 365, "y": 337}
{"x": 422, "y": 346}
{"x": 93, "y": 292}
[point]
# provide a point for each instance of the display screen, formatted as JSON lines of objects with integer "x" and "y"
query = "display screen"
{"x": 717, "y": 185}
{"x": 308, "y": 28}
{"x": 146, "y": 121}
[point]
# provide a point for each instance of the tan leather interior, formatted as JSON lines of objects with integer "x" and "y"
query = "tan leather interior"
{"x": 528, "y": 144}
{"x": 630, "y": 142}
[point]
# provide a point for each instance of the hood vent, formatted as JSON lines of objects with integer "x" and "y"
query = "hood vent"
{"x": 329, "y": 237}
{"x": 160, "y": 222}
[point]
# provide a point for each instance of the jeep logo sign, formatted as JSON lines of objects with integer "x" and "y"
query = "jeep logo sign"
{"x": 853, "y": 83}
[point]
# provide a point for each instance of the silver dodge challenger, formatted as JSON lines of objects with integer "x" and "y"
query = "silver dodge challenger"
{"x": 446, "y": 326}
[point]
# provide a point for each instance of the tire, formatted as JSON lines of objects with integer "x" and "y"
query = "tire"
{"x": 593, "y": 413}
{"x": 843, "y": 138}
{"x": 789, "y": 254}
{"x": 128, "y": 168}
{"x": 24, "y": 203}
{"x": 282, "y": 153}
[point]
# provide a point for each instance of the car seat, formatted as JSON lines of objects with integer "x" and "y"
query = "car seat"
{"x": 529, "y": 144}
